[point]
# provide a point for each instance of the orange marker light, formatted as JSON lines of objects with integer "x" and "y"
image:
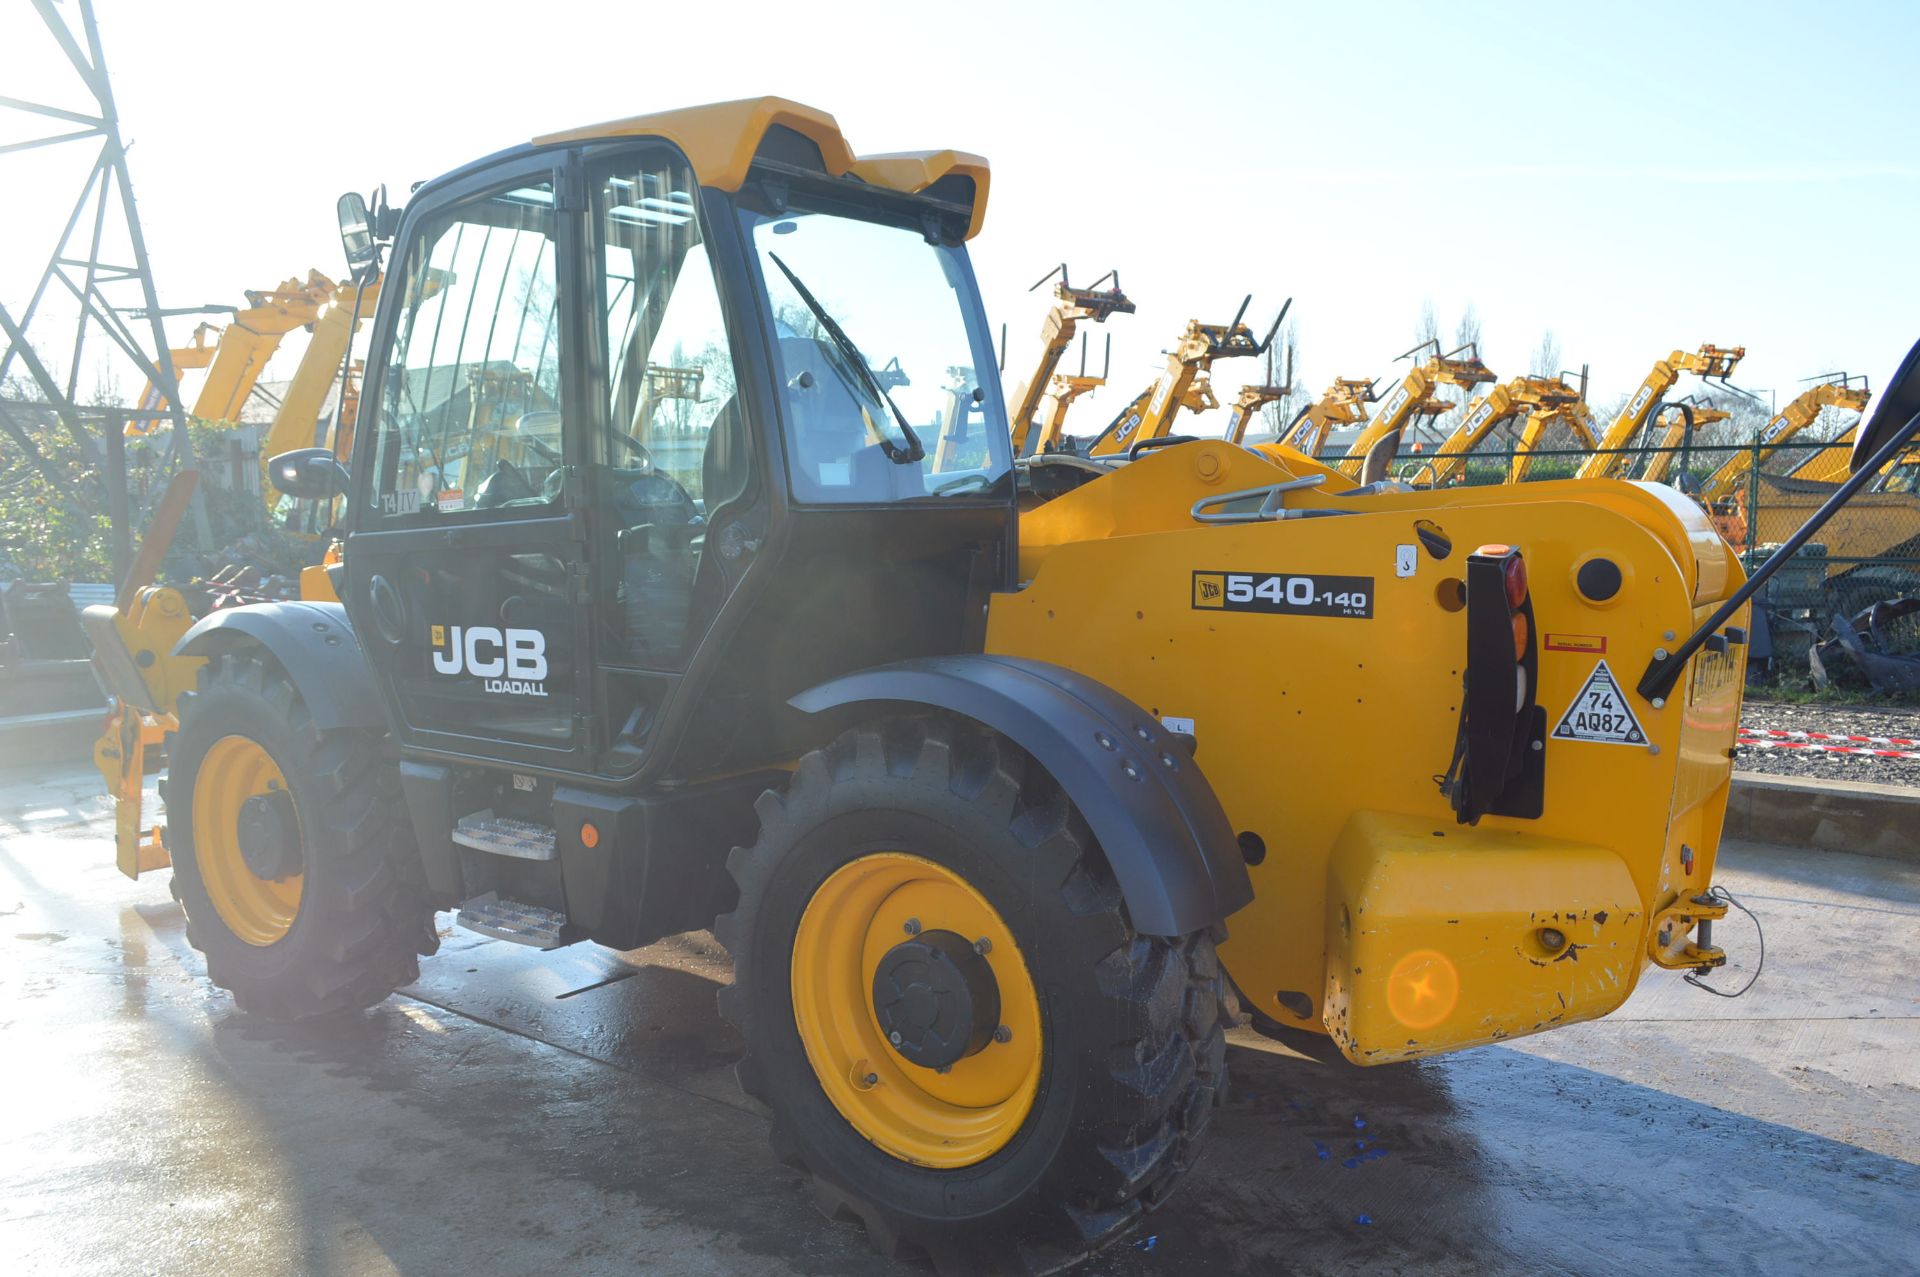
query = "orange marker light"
{"x": 1423, "y": 988}
{"x": 589, "y": 834}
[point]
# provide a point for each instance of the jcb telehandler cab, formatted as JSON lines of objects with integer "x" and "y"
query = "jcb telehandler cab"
{"x": 659, "y": 609}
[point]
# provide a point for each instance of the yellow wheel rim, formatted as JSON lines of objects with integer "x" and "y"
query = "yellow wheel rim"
{"x": 917, "y": 1114}
{"x": 258, "y": 910}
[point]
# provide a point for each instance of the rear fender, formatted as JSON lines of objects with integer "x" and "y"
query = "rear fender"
{"x": 314, "y": 644}
{"x": 1158, "y": 821}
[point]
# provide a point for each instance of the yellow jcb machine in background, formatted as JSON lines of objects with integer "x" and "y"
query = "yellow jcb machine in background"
{"x": 1185, "y": 383}
{"x": 1534, "y": 397}
{"x": 1708, "y": 363}
{"x": 1832, "y": 390}
{"x": 1416, "y": 397}
{"x": 244, "y": 345}
{"x": 1251, "y": 399}
{"x": 1563, "y": 427}
{"x": 959, "y": 774}
{"x": 1040, "y": 404}
{"x": 1342, "y": 404}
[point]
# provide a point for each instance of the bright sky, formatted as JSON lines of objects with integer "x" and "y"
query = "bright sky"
{"x": 1636, "y": 177}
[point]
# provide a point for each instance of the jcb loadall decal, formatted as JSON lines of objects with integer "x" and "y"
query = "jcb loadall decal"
{"x": 511, "y": 662}
{"x": 1600, "y": 712}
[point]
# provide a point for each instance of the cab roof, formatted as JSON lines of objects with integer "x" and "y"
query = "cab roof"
{"x": 722, "y": 138}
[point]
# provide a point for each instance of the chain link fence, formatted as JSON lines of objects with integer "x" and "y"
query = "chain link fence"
{"x": 1757, "y": 496}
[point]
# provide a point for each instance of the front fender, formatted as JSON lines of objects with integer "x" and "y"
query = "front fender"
{"x": 314, "y": 644}
{"x": 1158, "y": 821}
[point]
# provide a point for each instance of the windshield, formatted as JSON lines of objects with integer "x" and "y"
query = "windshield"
{"x": 883, "y": 361}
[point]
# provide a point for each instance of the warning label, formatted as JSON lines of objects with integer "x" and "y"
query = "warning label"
{"x": 1600, "y": 712}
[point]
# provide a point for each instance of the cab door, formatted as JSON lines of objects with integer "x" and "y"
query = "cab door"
{"x": 466, "y": 578}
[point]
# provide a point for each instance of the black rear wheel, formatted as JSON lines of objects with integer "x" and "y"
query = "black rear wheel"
{"x": 964, "y": 1041}
{"x": 291, "y": 854}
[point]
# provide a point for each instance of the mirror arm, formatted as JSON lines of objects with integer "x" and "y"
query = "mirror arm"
{"x": 1663, "y": 673}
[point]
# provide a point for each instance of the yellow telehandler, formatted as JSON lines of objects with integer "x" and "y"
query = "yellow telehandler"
{"x": 1416, "y": 397}
{"x": 1040, "y": 404}
{"x": 1342, "y": 404}
{"x": 1540, "y": 400}
{"x": 242, "y": 347}
{"x": 961, "y": 777}
{"x": 1709, "y": 363}
{"x": 1834, "y": 390}
{"x": 1184, "y": 383}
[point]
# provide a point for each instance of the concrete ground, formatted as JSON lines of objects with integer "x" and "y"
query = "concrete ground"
{"x": 575, "y": 1112}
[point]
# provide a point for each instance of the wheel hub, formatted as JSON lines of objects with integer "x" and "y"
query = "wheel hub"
{"x": 936, "y": 999}
{"x": 269, "y": 836}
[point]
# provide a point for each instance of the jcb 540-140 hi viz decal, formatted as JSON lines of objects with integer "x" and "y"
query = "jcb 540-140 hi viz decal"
{"x": 1284, "y": 593}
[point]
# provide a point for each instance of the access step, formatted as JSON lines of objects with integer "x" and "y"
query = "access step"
{"x": 504, "y": 836}
{"x": 489, "y": 915}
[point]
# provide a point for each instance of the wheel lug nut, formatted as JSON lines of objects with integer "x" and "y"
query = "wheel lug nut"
{"x": 983, "y": 946}
{"x": 1003, "y": 1034}
{"x": 913, "y": 926}
{"x": 873, "y": 1079}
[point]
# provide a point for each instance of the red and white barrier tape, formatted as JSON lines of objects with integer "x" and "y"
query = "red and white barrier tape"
{"x": 1818, "y": 748}
{"x": 1905, "y": 742}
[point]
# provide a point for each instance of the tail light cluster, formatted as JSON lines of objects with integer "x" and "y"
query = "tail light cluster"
{"x": 1499, "y": 756}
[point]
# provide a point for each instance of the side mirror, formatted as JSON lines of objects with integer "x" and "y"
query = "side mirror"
{"x": 309, "y": 473}
{"x": 356, "y": 232}
{"x": 1898, "y": 404}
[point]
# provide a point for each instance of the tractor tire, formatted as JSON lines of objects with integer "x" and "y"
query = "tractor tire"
{"x": 1112, "y": 1043}
{"x": 291, "y": 853}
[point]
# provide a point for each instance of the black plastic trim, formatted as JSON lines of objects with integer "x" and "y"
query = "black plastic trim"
{"x": 1162, "y": 827}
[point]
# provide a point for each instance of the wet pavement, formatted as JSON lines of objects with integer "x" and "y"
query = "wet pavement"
{"x": 515, "y": 1112}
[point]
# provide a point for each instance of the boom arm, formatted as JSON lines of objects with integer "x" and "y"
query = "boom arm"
{"x": 296, "y": 423}
{"x": 250, "y": 340}
{"x": 1417, "y": 397}
{"x": 1062, "y": 390}
{"x": 1490, "y": 411}
{"x": 1247, "y": 404}
{"x": 1607, "y": 461}
{"x": 1795, "y": 417}
{"x": 1071, "y": 305}
{"x": 1343, "y": 404}
{"x": 1576, "y": 416}
{"x": 1184, "y": 383}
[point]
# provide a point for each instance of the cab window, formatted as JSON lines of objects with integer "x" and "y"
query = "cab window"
{"x": 885, "y": 366}
{"x": 675, "y": 450}
{"x": 470, "y": 406}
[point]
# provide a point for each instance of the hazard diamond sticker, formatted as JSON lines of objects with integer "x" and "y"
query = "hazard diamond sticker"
{"x": 1600, "y": 712}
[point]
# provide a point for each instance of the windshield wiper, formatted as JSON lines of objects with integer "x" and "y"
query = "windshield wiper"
{"x": 871, "y": 384}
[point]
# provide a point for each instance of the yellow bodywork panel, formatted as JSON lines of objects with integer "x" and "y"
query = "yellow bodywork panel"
{"x": 1440, "y": 938}
{"x": 1323, "y": 734}
{"x": 721, "y": 139}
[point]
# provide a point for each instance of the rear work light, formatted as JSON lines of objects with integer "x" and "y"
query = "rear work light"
{"x": 1499, "y": 757}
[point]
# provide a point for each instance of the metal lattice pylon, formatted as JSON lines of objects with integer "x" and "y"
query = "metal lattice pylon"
{"x": 79, "y": 266}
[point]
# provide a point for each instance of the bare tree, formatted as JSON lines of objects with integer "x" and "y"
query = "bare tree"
{"x": 1428, "y": 329}
{"x": 1283, "y": 363}
{"x": 1546, "y": 356}
{"x": 1468, "y": 332}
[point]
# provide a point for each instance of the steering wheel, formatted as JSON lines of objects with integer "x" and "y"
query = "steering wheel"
{"x": 507, "y": 483}
{"x": 642, "y": 459}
